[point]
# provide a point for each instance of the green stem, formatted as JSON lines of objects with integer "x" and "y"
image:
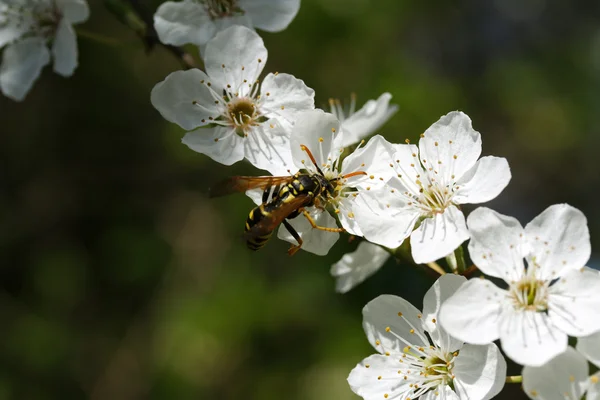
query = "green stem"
{"x": 436, "y": 267}
{"x": 514, "y": 379}
{"x": 97, "y": 38}
{"x": 460, "y": 260}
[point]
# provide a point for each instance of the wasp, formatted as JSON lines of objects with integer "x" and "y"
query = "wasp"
{"x": 290, "y": 195}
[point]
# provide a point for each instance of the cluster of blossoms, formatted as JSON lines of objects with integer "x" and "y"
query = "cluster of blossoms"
{"x": 396, "y": 198}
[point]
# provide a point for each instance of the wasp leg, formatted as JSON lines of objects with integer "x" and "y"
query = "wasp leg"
{"x": 322, "y": 228}
{"x": 294, "y": 248}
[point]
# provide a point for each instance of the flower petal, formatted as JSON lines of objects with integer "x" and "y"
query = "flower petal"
{"x": 574, "y": 302}
{"x": 368, "y": 119}
{"x": 440, "y": 291}
{"x": 529, "y": 338}
{"x": 267, "y": 147}
{"x": 12, "y": 28}
{"x": 589, "y": 346}
{"x": 284, "y": 96}
{"x": 562, "y": 377}
{"x": 391, "y": 323}
{"x": 438, "y": 236}
{"x": 384, "y": 218}
{"x": 218, "y": 143}
{"x": 182, "y": 98}
{"x": 472, "y": 314}
{"x": 488, "y": 177}
{"x": 453, "y": 142}
{"x": 183, "y": 22}
{"x": 314, "y": 129}
{"x": 21, "y": 66}
{"x": 64, "y": 49}
{"x": 593, "y": 392}
{"x": 315, "y": 241}
{"x": 374, "y": 158}
{"x": 480, "y": 372}
{"x": 497, "y": 245}
{"x": 269, "y": 15}
{"x": 346, "y": 216}
{"x": 353, "y": 268}
{"x": 234, "y": 55}
{"x": 74, "y": 11}
{"x": 376, "y": 378}
{"x": 560, "y": 239}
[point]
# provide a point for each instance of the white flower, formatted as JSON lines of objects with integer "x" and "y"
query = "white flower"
{"x": 235, "y": 115}
{"x": 563, "y": 377}
{"x": 197, "y": 21}
{"x": 550, "y": 298}
{"x": 319, "y": 133}
{"x": 355, "y": 267}
{"x": 364, "y": 122}
{"x": 589, "y": 346}
{"x": 428, "y": 185}
{"x": 418, "y": 358}
{"x": 27, "y": 29}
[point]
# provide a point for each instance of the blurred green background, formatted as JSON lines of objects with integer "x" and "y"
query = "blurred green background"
{"x": 120, "y": 279}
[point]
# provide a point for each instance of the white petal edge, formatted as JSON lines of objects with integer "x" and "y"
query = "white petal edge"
{"x": 234, "y": 55}
{"x": 182, "y": 99}
{"x": 559, "y": 240}
{"x": 402, "y": 319}
{"x": 269, "y": 15}
{"x": 22, "y": 64}
{"x": 566, "y": 373}
{"x": 74, "y": 11}
{"x": 453, "y": 142}
{"x": 574, "y": 301}
{"x": 372, "y": 115}
{"x": 64, "y": 49}
{"x": 218, "y": 143}
{"x": 528, "y": 337}
{"x": 353, "y": 268}
{"x": 441, "y": 290}
{"x": 589, "y": 346}
{"x": 183, "y": 22}
{"x": 438, "y": 236}
{"x": 315, "y": 130}
{"x": 498, "y": 244}
{"x": 480, "y": 372}
{"x": 472, "y": 314}
{"x": 484, "y": 182}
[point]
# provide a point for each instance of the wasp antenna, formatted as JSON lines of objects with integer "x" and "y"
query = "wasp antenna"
{"x": 355, "y": 173}
{"x": 312, "y": 158}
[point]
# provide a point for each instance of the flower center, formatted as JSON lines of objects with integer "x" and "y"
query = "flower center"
{"x": 433, "y": 198}
{"x": 38, "y": 18}
{"x": 222, "y": 8}
{"x": 530, "y": 294}
{"x": 242, "y": 113}
{"x": 427, "y": 368}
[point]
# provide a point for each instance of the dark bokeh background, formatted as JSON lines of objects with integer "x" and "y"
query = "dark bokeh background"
{"x": 120, "y": 279}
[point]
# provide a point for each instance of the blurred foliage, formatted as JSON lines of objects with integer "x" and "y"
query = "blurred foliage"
{"x": 121, "y": 280}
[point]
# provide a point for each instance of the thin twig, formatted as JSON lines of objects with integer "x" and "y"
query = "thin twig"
{"x": 514, "y": 379}
{"x": 436, "y": 267}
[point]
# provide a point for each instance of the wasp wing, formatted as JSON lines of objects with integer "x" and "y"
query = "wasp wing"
{"x": 244, "y": 183}
{"x": 273, "y": 218}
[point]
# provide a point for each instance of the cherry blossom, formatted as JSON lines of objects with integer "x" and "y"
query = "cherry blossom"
{"x": 229, "y": 113}
{"x": 418, "y": 358}
{"x": 32, "y": 32}
{"x": 198, "y": 21}
{"x": 549, "y": 298}
{"x": 428, "y": 185}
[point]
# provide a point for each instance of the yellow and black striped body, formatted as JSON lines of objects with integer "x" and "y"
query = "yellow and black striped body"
{"x": 262, "y": 221}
